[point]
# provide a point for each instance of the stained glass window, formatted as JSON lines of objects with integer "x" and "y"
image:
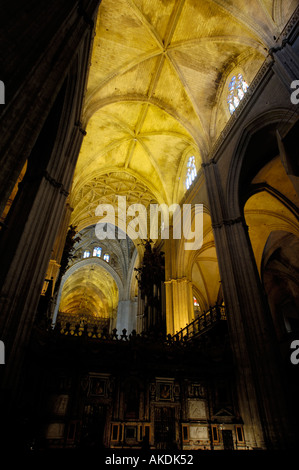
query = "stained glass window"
{"x": 97, "y": 251}
{"x": 236, "y": 90}
{"x": 106, "y": 257}
{"x": 191, "y": 172}
{"x": 86, "y": 254}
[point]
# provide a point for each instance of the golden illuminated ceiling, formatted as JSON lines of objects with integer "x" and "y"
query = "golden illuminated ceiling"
{"x": 156, "y": 94}
{"x": 155, "y": 89}
{"x": 90, "y": 290}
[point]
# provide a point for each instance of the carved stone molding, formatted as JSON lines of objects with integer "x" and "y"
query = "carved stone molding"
{"x": 55, "y": 183}
{"x": 229, "y": 222}
{"x": 104, "y": 189}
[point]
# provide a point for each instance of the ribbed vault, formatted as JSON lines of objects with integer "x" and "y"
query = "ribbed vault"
{"x": 90, "y": 290}
{"x": 157, "y": 86}
{"x": 157, "y": 94}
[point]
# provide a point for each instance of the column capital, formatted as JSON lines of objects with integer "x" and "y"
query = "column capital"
{"x": 69, "y": 207}
{"x": 285, "y": 63}
{"x": 212, "y": 161}
{"x": 85, "y": 15}
{"x": 272, "y": 50}
{"x": 229, "y": 222}
{"x": 78, "y": 125}
{"x": 173, "y": 281}
{"x": 55, "y": 183}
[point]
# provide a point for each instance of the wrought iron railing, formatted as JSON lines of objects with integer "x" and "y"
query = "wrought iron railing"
{"x": 207, "y": 320}
{"x": 77, "y": 325}
{"x": 201, "y": 324}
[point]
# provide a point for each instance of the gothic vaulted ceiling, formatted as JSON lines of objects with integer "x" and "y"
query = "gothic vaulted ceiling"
{"x": 156, "y": 94}
{"x": 155, "y": 91}
{"x": 90, "y": 290}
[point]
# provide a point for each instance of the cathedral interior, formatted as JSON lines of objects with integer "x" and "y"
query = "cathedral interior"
{"x": 133, "y": 341}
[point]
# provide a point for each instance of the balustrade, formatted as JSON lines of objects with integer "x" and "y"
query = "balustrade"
{"x": 99, "y": 329}
{"x": 201, "y": 324}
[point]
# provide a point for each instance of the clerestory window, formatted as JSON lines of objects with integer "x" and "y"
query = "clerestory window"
{"x": 97, "y": 251}
{"x": 236, "y": 90}
{"x": 191, "y": 172}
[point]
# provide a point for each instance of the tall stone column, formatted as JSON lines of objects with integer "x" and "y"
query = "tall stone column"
{"x": 41, "y": 124}
{"x": 261, "y": 393}
{"x": 178, "y": 290}
{"x": 57, "y": 251}
{"x": 126, "y": 316}
{"x": 178, "y": 304}
{"x": 286, "y": 67}
{"x": 170, "y": 327}
{"x": 190, "y": 302}
{"x": 288, "y": 156}
{"x": 286, "y": 64}
{"x": 26, "y": 263}
{"x": 54, "y": 264}
{"x": 140, "y": 311}
{"x": 170, "y": 272}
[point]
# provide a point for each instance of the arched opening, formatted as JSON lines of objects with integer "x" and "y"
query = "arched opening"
{"x": 271, "y": 213}
{"x": 91, "y": 281}
{"x": 280, "y": 277}
{"x": 89, "y": 298}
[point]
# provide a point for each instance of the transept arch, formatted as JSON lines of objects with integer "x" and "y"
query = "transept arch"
{"x": 281, "y": 281}
{"x": 94, "y": 282}
{"x": 264, "y": 214}
{"x": 256, "y": 147}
